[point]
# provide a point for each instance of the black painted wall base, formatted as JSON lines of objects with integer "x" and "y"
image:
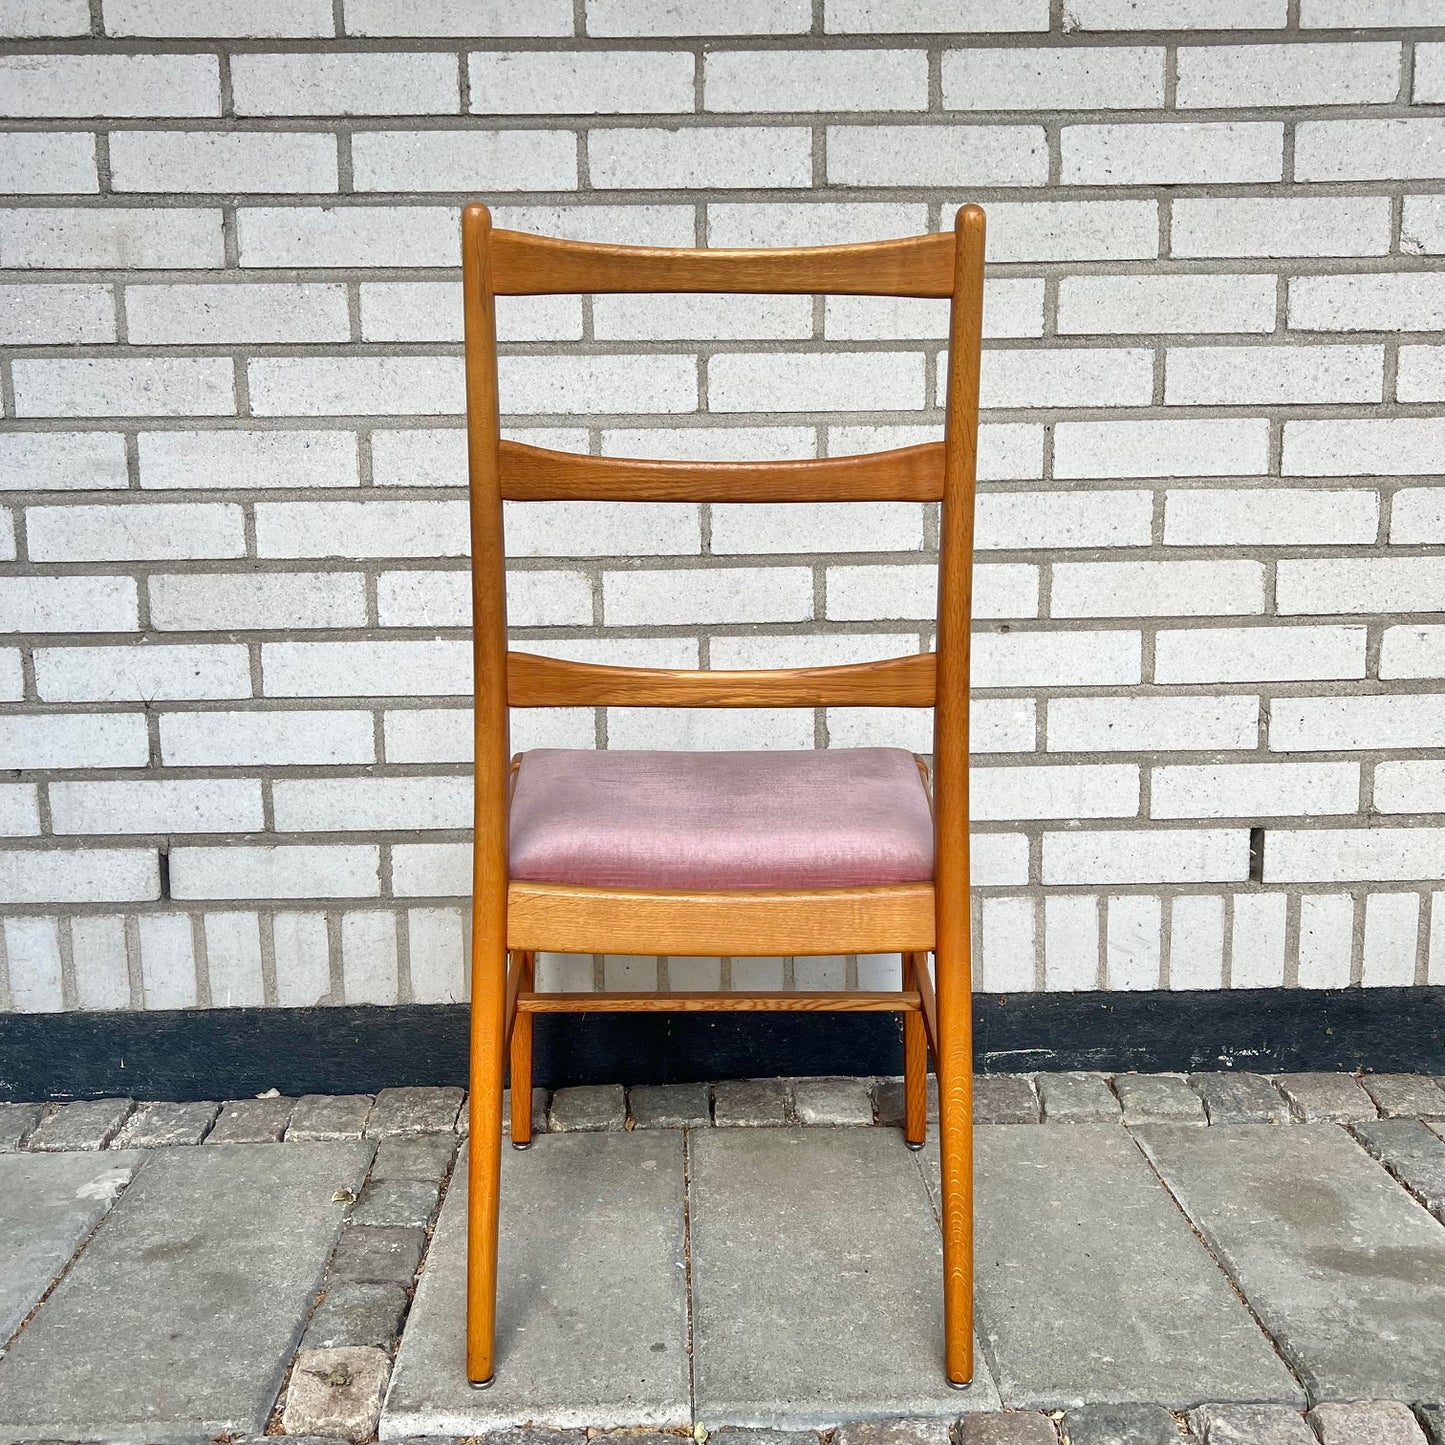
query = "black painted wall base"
{"x": 233, "y": 1053}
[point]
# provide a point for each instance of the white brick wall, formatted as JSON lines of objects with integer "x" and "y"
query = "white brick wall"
{"x": 1209, "y": 512}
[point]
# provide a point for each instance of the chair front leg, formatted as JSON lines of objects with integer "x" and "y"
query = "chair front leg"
{"x": 915, "y": 1060}
{"x": 521, "y": 1072}
{"x": 955, "y": 1136}
{"x": 484, "y": 1176}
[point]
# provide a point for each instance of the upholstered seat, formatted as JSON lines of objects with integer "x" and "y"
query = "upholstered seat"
{"x": 717, "y": 820}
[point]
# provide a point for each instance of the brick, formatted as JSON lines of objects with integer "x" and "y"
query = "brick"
{"x": 1071, "y": 377}
{"x": 356, "y": 386}
{"x": 431, "y": 870}
{"x": 1132, "y": 943}
{"x": 100, "y": 960}
{"x": 62, "y": 461}
{"x": 199, "y": 161}
{"x": 32, "y": 947}
{"x": 73, "y": 740}
{"x": 31, "y": 19}
{"x": 1347, "y": 855}
{"x": 38, "y": 85}
{"x": 1175, "y": 153}
{"x": 1392, "y": 931}
{"x": 1158, "y": 855}
{"x": 1270, "y": 517}
{"x": 437, "y": 965}
{"x": 704, "y": 730}
{"x": 1073, "y": 230}
{"x": 1413, "y": 652}
{"x": 68, "y": 604}
{"x": 233, "y": 314}
{"x": 1129, "y": 724}
{"x": 269, "y": 19}
{"x": 1010, "y": 308}
{"x": 247, "y": 460}
{"x": 623, "y": 225}
{"x": 142, "y": 673}
{"x": 130, "y": 533}
{"x": 1257, "y": 941}
{"x": 265, "y": 739}
{"x": 736, "y": 594}
{"x": 1364, "y": 584}
{"x": 797, "y": 80}
{"x": 326, "y": 805}
{"x": 1076, "y": 78}
{"x": 1100, "y": 790}
{"x": 756, "y": 156}
{"x": 369, "y": 960}
{"x": 361, "y": 529}
{"x": 1405, "y": 301}
{"x": 432, "y": 311}
{"x": 1422, "y": 226}
{"x": 555, "y": 82}
{"x": 1410, "y": 787}
{"x": 201, "y": 805}
{"x": 126, "y": 239}
{"x": 814, "y": 223}
{"x": 12, "y": 682}
{"x": 1157, "y": 589}
{"x": 459, "y": 160}
{"x": 257, "y": 600}
{"x": 458, "y": 17}
{"x": 1352, "y": 150}
{"x": 303, "y": 959}
{"x": 1418, "y": 377}
{"x": 884, "y": 17}
{"x": 79, "y": 875}
{"x": 285, "y": 871}
{"x": 1272, "y": 375}
{"x": 366, "y": 669}
{"x": 1254, "y": 790}
{"x": 346, "y": 236}
{"x": 1114, "y": 305}
{"x": 695, "y": 17}
{"x": 910, "y": 590}
{"x": 573, "y": 384}
{"x": 1006, "y": 931}
{"x": 1215, "y": 448}
{"x": 1361, "y": 446}
{"x": 34, "y": 163}
{"x": 1283, "y": 226}
{"x": 700, "y": 318}
{"x": 153, "y": 386}
{"x": 1333, "y": 14}
{"x": 433, "y": 599}
{"x": 1177, "y": 14}
{"x": 936, "y": 155}
{"x": 834, "y": 381}
{"x": 40, "y": 315}
{"x": 1317, "y": 724}
{"x": 825, "y": 650}
{"x": 356, "y": 83}
{"x": 1196, "y": 942}
{"x": 795, "y": 527}
{"x": 1056, "y": 659}
{"x": 1287, "y": 75}
{"x": 233, "y": 959}
{"x": 19, "y": 810}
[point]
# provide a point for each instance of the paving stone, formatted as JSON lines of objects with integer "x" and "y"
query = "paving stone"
{"x": 1015, "y": 1427}
{"x": 180, "y": 1316}
{"x": 749, "y": 1103}
{"x": 888, "y": 1101}
{"x": 48, "y": 1206}
{"x": 415, "y": 1111}
{"x": 1240, "y": 1099}
{"x": 338, "y": 1391}
{"x": 160, "y": 1125}
{"x": 1342, "y": 1267}
{"x": 592, "y": 1304}
{"x": 1432, "y": 1421}
{"x": 1077, "y": 1098}
{"x": 671, "y": 1106}
{"x": 16, "y": 1121}
{"x": 738, "y": 1435}
{"x": 1004, "y": 1099}
{"x": 396, "y": 1201}
{"x": 1150, "y": 1319}
{"x": 357, "y": 1314}
{"x": 934, "y": 1431}
{"x": 1413, "y": 1153}
{"x": 251, "y": 1121}
{"x": 378, "y": 1256}
{"x": 1405, "y": 1096}
{"x": 1367, "y": 1422}
{"x": 589, "y": 1108}
{"x": 1122, "y": 1424}
{"x": 540, "y": 1099}
{"x": 1158, "y": 1099}
{"x": 419, "y": 1156}
{"x": 824, "y": 1244}
{"x": 839, "y": 1101}
{"x": 86, "y": 1124}
{"x": 1250, "y": 1425}
{"x": 1325, "y": 1098}
{"x": 329, "y": 1116}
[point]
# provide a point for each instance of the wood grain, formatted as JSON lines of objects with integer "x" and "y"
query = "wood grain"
{"x": 915, "y": 1056}
{"x": 775, "y": 1001}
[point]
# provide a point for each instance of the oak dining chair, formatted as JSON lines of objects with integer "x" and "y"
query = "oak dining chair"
{"x": 722, "y": 854}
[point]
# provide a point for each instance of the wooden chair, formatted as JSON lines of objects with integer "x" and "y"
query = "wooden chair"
{"x": 515, "y": 917}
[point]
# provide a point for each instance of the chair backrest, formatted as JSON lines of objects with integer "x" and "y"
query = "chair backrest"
{"x": 509, "y": 263}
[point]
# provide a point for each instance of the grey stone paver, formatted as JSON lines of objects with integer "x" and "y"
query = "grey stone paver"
{"x": 16, "y": 1121}
{"x": 1158, "y": 1099}
{"x": 425, "y": 1157}
{"x": 183, "y": 1309}
{"x": 1004, "y": 1099}
{"x": 1149, "y": 1318}
{"x": 396, "y": 1201}
{"x": 750, "y": 1103}
{"x": 523, "y": 1435}
{"x": 1344, "y": 1269}
{"x": 1432, "y": 1421}
{"x": 251, "y": 1121}
{"x": 824, "y": 1243}
{"x": 592, "y": 1306}
{"x": 415, "y": 1111}
{"x": 888, "y": 1102}
{"x": 832, "y": 1101}
{"x": 49, "y": 1204}
{"x": 1121, "y": 1424}
{"x": 378, "y": 1256}
{"x": 329, "y": 1116}
{"x": 671, "y": 1106}
{"x": 1241, "y": 1099}
{"x": 1367, "y": 1422}
{"x": 1077, "y": 1098}
{"x": 357, "y": 1314}
{"x": 1014, "y": 1427}
{"x": 1405, "y": 1096}
{"x": 85, "y": 1124}
{"x": 894, "y": 1432}
{"x": 1414, "y": 1154}
{"x": 1325, "y": 1098}
{"x": 1250, "y": 1425}
{"x": 741, "y": 1435}
{"x": 336, "y": 1392}
{"x": 160, "y": 1125}
{"x": 589, "y": 1107}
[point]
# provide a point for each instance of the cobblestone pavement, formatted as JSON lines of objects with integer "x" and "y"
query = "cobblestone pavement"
{"x": 1223, "y": 1259}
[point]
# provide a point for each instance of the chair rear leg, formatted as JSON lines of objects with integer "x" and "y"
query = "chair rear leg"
{"x": 522, "y": 1062}
{"x": 915, "y": 1061}
{"x": 955, "y": 1137}
{"x": 484, "y": 1181}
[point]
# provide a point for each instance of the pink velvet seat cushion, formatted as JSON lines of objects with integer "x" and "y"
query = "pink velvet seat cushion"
{"x": 717, "y": 820}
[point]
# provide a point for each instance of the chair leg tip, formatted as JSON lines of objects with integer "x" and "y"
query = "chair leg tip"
{"x": 482, "y": 1384}
{"x": 521, "y": 1143}
{"x": 958, "y": 1384}
{"x": 915, "y": 1145}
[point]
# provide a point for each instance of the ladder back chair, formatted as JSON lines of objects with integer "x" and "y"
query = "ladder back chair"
{"x": 589, "y": 852}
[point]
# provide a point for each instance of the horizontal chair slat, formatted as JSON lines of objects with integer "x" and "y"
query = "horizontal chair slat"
{"x": 776, "y": 1001}
{"x": 526, "y": 265}
{"x": 537, "y": 474}
{"x": 534, "y": 681}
